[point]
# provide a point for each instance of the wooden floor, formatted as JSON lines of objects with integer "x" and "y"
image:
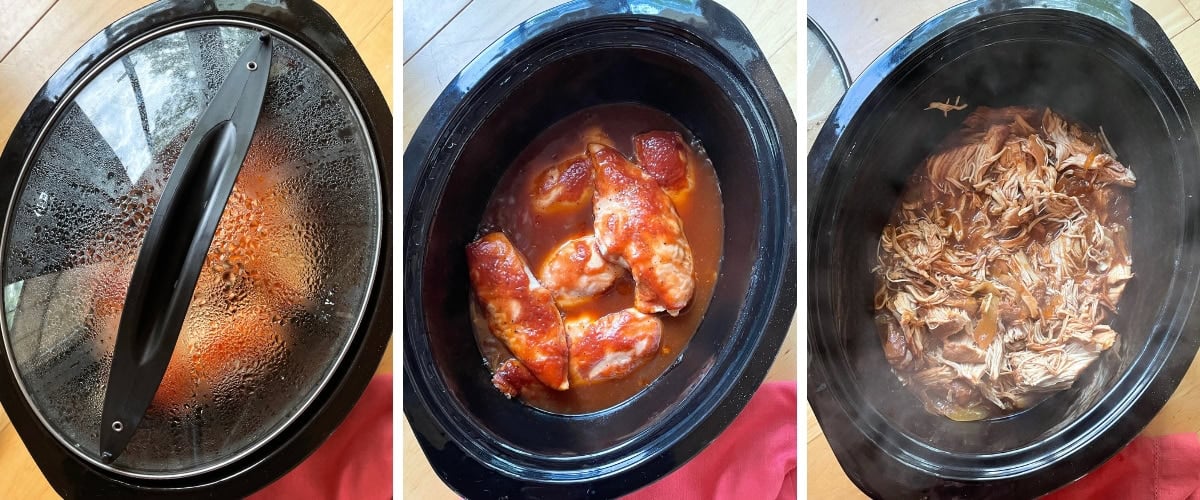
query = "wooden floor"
{"x": 37, "y": 36}
{"x": 442, "y": 36}
{"x": 863, "y": 29}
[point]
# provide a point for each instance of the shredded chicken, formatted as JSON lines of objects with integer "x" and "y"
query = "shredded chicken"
{"x": 1004, "y": 262}
{"x": 946, "y": 107}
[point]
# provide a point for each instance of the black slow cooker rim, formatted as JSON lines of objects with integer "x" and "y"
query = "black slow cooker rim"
{"x": 311, "y": 25}
{"x": 520, "y": 464}
{"x": 632, "y": 466}
{"x": 981, "y": 473}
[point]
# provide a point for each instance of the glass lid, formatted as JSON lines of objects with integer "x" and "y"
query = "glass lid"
{"x": 108, "y": 229}
{"x": 827, "y": 79}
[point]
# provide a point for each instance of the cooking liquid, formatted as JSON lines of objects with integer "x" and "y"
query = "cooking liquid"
{"x": 537, "y": 235}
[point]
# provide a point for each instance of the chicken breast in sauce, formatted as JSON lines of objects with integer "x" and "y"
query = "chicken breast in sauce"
{"x": 1004, "y": 262}
{"x": 663, "y": 155}
{"x": 519, "y": 310}
{"x": 636, "y": 226}
{"x": 512, "y": 378}
{"x": 609, "y": 348}
{"x": 606, "y": 239}
{"x": 576, "y": 271}
{"x": 564, "y": 186}
{"x": 612, "y": 346}
{"x": 258, "y": 269}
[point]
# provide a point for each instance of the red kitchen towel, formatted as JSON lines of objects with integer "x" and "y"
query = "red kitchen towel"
{"x": 1161, "y": 468}
{"x": 354, "y": 463}
{"x": 754, "y": 458}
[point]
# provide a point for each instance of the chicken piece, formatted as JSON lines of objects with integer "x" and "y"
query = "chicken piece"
{"x": 563, "y": 187}
{"x": 966, "y": 165}
{"x": 1103, "y": 337}
{"x": 512, "y": 378}
{"x": 215, "y": 354}
{"x": 960, "y": 349}
{"x": 904, "y": 307}
{"x": 961, "y": 392}
{"x": 577, "y": 271}
{"x": 519, "y": 310}
{"x": 636, "y": 226}
{"x": 663, "y": 155}
{"x": 946, "y": 107}
{"x": 1116, "y": 279}
{"x": 259, "y": 236}
{"x": 1068, "y": 139}
{"x": 945, "y": 321}
{"x": 935, "y": 376}
{"x": 613, "y": 346}
{"x": 1053, "y": 369}
{"x": 1100, "y": 167}
{"x": 895, "y": 344}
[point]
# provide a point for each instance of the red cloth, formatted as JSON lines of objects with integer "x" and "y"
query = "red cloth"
{"x": 754, "y": 458}
{"x": 1161, "y": 468}
{"x": 354, "y": 463}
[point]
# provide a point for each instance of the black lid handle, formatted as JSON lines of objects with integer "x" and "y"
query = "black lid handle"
{"x": 176, "y": 245}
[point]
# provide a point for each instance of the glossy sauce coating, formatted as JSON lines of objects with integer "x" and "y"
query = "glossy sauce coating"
{"x": 613, "y": 346}
{"x": 578, "y": 271}
{"x": 663, "y": 155}
{"x": 564, "y": 187}
{"x": 636, "y": 225}
{"x": 519, "y": 310}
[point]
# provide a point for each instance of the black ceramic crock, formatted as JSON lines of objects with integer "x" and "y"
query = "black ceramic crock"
{"x": 694, "y": 61}
{"x": 303, "y": 23}
{"x": 1106, "y": 64}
